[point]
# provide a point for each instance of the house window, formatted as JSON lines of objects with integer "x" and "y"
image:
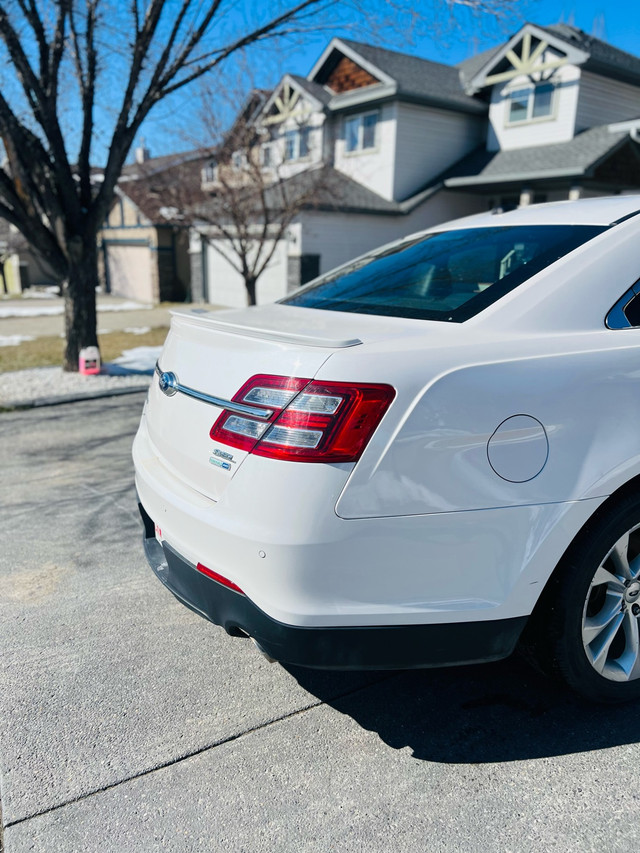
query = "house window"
{"x": 266, "y": 158}
{"x": 296, "y": 143}
{"x": 210, "y": 173}
{"x": 360, "y": 132}
{"x": 531, "y": 103}
{"x": 238, "y": 160}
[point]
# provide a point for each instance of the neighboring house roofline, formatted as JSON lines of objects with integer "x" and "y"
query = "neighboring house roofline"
{"x": 402, "y": 76}
{"x": 123, "y": 196}
{"x": 154, "y": 165}
{"x": 352, "y": 54}
{"x": 298, "y": 83}
{"x": 604, "y": 59}
{"x": 574, "y": 55}
{"x": 576, "y": 158}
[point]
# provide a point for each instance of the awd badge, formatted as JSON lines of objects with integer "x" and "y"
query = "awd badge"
{"x": 221, "y": 459}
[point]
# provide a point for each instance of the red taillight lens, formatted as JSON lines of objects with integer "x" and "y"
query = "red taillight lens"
{"x": 310, "y": 421}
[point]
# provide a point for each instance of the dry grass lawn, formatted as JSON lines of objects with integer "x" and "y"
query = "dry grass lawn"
{"x": 47, "y": 352}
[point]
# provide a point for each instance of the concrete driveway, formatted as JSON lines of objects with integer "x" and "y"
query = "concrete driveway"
{"x": 129, "y": 724}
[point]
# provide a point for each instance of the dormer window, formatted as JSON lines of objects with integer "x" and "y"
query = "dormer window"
{"x": 360, "y": 132}
{"x": 530, "y": 104}
{"x": 296, "y": 143}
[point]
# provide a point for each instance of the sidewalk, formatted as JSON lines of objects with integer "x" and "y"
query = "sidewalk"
{"x": 36, "y": 317}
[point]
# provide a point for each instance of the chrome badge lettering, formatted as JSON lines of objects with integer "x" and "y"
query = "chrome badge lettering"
{"x": 223, "y": 455}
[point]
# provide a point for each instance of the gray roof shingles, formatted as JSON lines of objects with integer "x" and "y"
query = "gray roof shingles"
{"x": 575, "y": 157}
{"x": 603, "y": 57}
{"x": 335, "y": 190}
{"x": 314, "y": 89}
{"x": 418, "y": 78}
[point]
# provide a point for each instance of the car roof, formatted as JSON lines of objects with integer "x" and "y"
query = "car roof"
{"x": 588, "y": 211}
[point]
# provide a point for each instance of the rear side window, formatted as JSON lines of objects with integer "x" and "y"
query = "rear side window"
{"x": 451, "y": 276}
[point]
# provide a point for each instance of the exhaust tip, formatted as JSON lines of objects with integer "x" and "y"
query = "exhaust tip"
{"x": 262, "y": 651}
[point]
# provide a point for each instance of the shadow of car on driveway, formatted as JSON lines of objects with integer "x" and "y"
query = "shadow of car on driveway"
{"x": 484, "y": 714}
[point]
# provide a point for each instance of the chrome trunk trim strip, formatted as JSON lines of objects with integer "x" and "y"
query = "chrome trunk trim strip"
{"x": 228, "y": 405}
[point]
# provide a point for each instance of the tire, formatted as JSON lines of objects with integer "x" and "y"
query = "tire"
{"x": 586, "y": 627}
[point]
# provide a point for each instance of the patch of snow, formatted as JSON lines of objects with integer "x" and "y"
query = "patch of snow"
{"x": 54, "y": 310}
{"x": 136, "y": 360}
{"x": 51, "y": 383}
{"x": 123, "y": 306}
{"x": 35, "y": 311}
{"x": 14, "y": 340}
{"x": 41, "y": 293}
{"x": 138, "y": 330}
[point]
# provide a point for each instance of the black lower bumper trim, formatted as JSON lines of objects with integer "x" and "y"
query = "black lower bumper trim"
{"x": 368, "y": 647}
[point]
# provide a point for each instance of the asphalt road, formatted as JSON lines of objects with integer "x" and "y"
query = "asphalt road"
{"x": 127, "y": 723}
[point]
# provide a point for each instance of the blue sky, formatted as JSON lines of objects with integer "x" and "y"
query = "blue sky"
{"x": 617, "y": 22}
{"x": 175, "y": 126}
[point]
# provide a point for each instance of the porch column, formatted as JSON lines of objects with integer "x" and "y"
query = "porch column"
{"x": 526, "y": 197}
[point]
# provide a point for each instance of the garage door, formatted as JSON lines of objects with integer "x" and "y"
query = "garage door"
{"x": 129, "y": 271}
{"x": 225, "y": 285}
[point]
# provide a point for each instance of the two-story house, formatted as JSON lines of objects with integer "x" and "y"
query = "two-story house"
{"x": 398, "y": 143}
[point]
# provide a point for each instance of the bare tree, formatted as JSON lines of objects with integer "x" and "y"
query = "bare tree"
{"x": 63, "y": 61}
{"x": 253, "y": 200}
{"x": 155, "y": 48}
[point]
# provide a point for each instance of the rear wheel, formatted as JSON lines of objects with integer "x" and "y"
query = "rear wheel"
{"x": 587, "y": 627}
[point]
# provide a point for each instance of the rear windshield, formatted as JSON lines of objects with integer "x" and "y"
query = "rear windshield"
{"x": 451, "y": 275}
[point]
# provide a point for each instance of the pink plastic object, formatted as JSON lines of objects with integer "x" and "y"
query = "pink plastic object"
{"x": 89, "y": 361}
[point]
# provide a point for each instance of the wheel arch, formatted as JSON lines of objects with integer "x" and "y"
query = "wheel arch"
{"x": 545, "y": 600}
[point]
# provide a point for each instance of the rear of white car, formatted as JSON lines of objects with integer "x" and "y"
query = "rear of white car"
{"x": 355, "y": 490}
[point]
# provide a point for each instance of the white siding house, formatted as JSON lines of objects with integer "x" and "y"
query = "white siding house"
{"x": 398, "y": 143}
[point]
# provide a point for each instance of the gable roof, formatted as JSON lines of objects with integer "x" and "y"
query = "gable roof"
{"x": 573, "y": 159}
{"x": 532, "y": 41}
{"x": 589, "y": 52}
{"x": 408, "y": 77}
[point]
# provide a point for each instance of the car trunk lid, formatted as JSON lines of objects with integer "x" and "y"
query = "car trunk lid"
{"x": 210, "y": 356}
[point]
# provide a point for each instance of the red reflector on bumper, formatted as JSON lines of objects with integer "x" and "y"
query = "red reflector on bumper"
{"x": 219, "y": 578}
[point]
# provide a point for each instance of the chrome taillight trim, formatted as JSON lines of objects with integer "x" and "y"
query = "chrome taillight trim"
{"x": 220, "y": 402}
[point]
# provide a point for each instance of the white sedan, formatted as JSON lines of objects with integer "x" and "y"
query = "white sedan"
{"x": 425, "y": 457}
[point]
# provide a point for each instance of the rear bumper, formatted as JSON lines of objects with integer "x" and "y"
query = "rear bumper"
{"x": 367, "y": 647}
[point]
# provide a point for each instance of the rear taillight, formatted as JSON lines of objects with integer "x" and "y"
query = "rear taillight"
{"x": 310, "y": 421}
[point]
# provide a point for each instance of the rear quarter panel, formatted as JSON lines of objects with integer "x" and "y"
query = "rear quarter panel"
{"x": 431, "y": 454}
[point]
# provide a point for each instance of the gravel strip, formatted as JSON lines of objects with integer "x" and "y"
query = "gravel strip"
{"x": 46, "y": 385}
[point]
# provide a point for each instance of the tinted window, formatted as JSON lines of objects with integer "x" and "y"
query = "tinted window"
{"x": 632, "y": 311}
{"x": 451, "y": 275}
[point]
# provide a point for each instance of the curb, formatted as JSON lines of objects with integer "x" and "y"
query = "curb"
{"x": 39, "y": 402}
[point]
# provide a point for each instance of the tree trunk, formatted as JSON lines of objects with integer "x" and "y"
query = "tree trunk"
{"x": 80, "y": 299}
{"x": 250, "y": 283}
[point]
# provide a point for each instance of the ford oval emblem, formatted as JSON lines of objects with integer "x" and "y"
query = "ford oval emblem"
{"x": 168, "y": 383}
